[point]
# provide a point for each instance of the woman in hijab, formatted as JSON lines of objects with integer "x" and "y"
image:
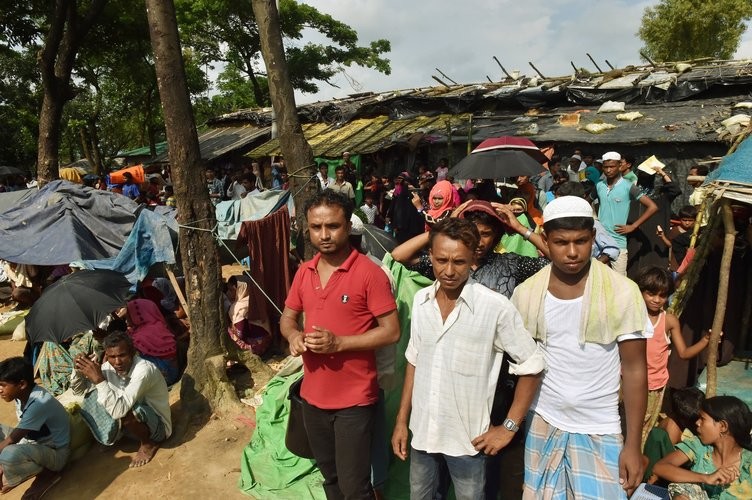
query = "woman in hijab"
{"x": 514, "y": 242}
{"x": 248, "y": 335}
{"x": 441, "y": 203}
{"x": 152, "y": 337}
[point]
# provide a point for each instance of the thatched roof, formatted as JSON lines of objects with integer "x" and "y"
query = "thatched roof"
{"x": 679, "y": 103}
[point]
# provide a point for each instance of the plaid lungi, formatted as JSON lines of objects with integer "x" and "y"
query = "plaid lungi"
{"x": 108, "y": 430}
{"x": 565, "y": 465}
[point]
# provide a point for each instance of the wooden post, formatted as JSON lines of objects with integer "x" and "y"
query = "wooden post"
{"x": 502, "y": 68}
{"x": 178, "y": 291}
{"x": 647, "y": 58}
{"x": 536, "y": 70}
{"x": 445, "y": 76}
{"x": 439, "y": 80}
{"x": 470, "y": 135}
{"x": 720, "y": 307}
{"x": 594, "y": 63}
{"x": 450, "y": 145}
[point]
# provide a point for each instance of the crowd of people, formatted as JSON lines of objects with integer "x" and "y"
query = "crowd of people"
{"x": 531, "y": 326}
{"x": 530, "y": 330}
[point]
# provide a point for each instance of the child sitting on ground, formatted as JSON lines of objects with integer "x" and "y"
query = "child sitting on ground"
{"x": 39, "y": 444}
{"x": 720, "y": 454}
{"x": 656, "y": 285}
{"x": 680, "y": 420}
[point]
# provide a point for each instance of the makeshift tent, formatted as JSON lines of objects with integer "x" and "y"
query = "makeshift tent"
{"x": 152, "y": 240}
{"x": 717, "y": 289}
{"x": 13, "y": 198}
{"x": 64, "y": 222}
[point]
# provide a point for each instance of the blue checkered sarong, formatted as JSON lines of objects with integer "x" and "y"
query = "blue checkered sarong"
{"x": 561, "y": 465}
{"x": 108, "y": 431}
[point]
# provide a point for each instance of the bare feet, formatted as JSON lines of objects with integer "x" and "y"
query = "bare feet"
{"x": 144, "y": 454}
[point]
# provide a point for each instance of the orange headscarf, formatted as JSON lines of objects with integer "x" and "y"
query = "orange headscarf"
{"x": 445, "y": 190}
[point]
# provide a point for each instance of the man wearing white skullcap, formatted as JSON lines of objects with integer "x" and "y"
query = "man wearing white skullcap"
{"x": 615, "y": 195}
{"x": 591, "y": 324}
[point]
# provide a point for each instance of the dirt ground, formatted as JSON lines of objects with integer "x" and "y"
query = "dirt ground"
{"x": 200, "y": 460}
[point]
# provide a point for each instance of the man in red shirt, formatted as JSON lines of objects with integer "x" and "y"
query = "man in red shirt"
{"x": 349, "y": 312}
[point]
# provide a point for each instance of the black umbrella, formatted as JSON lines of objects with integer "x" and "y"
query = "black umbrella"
{"x": 496, "y": 164}
{"x": 76, "y": 303}
{"x": 11, "y": 171}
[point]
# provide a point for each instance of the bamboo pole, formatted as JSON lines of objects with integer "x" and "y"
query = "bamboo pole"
{"x": 502, "y": 68}
{"x": 536, "y": 70}
{"x": 470, "y": 136}
{"x": 689, "y": 281}
{"x": 450, "y": 145}
{"x": 594, "y": 63}
{"x": 720, "y": 307}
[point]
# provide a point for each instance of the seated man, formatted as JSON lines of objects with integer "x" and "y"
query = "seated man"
{"x": 125, "y": 393}
{"x": 40, "y": 443}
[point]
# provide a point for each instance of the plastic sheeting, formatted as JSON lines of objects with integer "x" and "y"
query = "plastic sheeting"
{"x": 12, "y": 198}
{"x": 232, "y": 214}
{"x": 268, "y": 470}
{"x": 735, "y": 167}
{"x": 152, "y": 240}
{"x": 64, "y": 222}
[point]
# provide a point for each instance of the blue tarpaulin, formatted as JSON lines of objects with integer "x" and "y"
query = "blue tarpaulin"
{"x": 736, "y": 167}
{"x": 64, "y": 222}
{"x": 151, "y": 241}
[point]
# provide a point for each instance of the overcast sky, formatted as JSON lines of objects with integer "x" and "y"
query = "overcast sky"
{"x": 461, "y": 36}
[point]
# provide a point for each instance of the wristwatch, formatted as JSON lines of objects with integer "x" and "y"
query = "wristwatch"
{"x": 510, "y": 425}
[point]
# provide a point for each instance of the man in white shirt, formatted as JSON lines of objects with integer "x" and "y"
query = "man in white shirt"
{"x": 459, "y": 332}
{"x": 323, "y": 176}
{"x": 125, "y": 393}
{"x": 592, "y": 329}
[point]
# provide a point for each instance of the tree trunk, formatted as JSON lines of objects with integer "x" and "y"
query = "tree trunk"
{"x": 295, "y": 148}
{"x": 56, "y": 59}
{"x": 720, "y": 307}
{"x": 205, "y": 381}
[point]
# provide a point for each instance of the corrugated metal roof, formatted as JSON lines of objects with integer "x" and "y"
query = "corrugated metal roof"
{"x": 219, "y": 141}
{"x": 161, "y": 147}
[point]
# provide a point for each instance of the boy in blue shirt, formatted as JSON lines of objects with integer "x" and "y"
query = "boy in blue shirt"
{"x": 40, "y": 444}
{"x": 615, "y": 196}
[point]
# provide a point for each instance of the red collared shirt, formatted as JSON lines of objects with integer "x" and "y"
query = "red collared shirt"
{"x": 355, "y": 295}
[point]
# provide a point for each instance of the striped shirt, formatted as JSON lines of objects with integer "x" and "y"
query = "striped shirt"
{"x": 457, "y": 364}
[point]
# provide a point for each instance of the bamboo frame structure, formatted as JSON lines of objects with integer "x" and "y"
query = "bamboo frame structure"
{"x": 721, "y": 301}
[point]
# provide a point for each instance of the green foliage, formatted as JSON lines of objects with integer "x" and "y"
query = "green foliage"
{"x": 19, "y": 102}
{"x": 116, "y": 103}
{"x": 226, "y": 31}
{"x": 679, "y": 30}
